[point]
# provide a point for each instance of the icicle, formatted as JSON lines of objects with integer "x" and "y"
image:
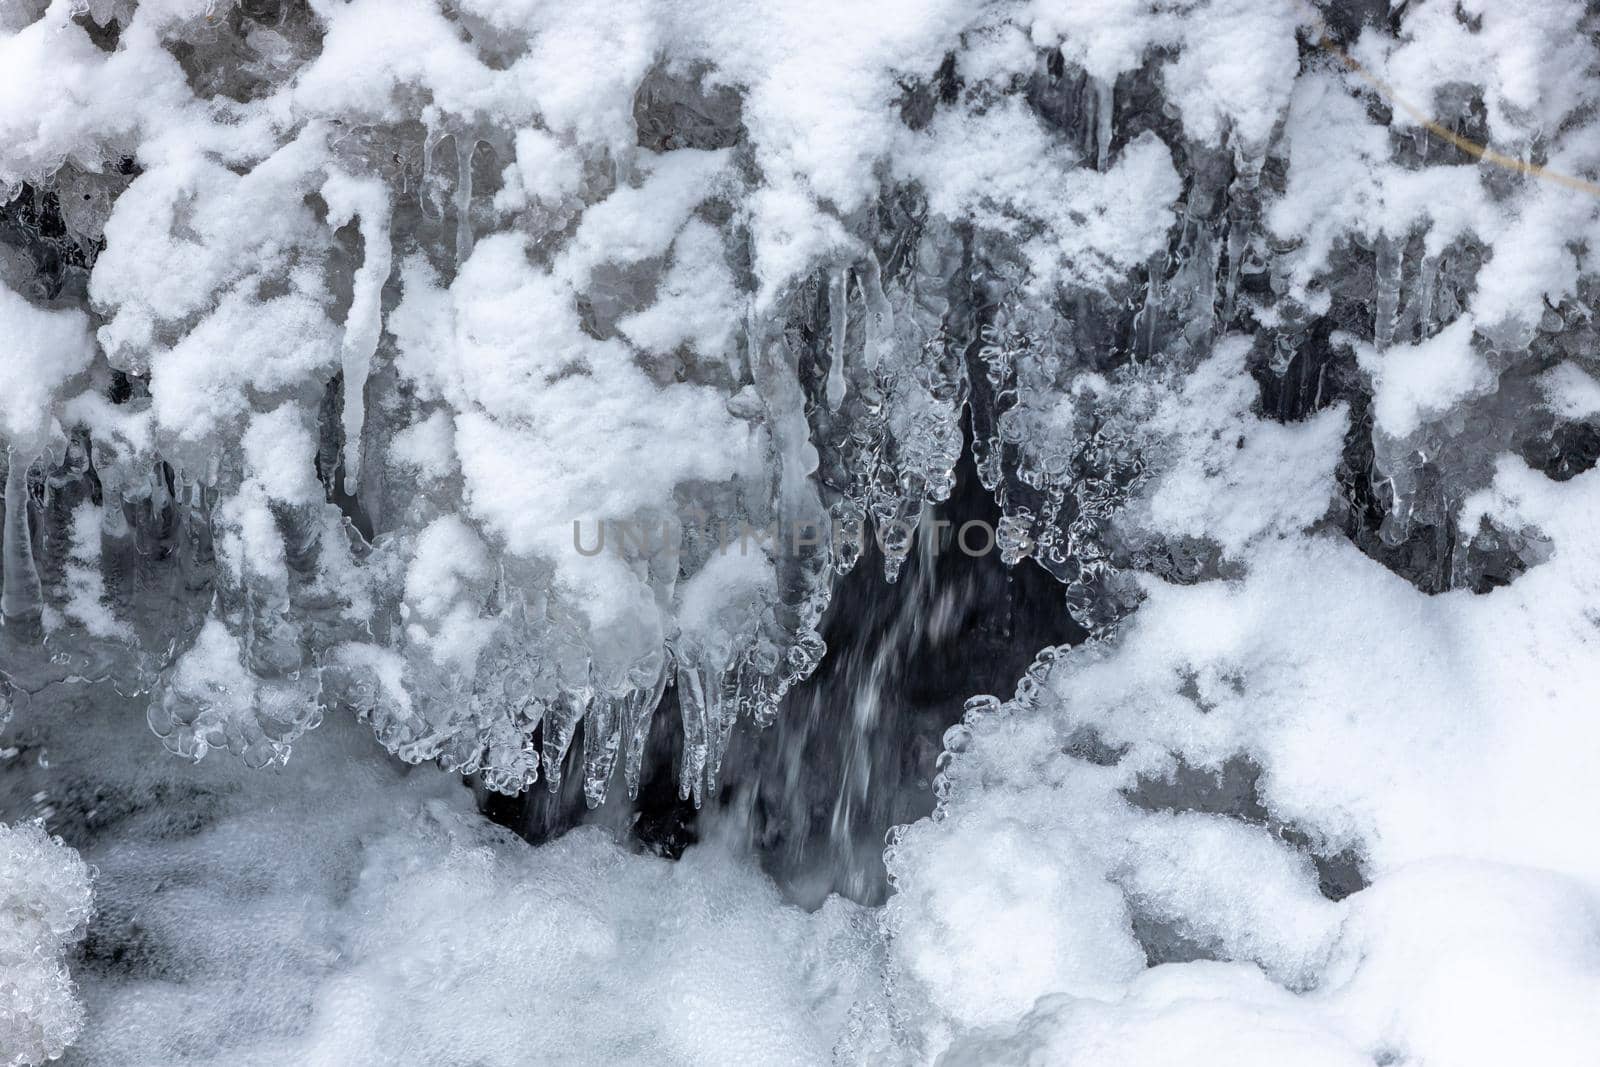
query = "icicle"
{"x": 160, "y": 498}
{"x": 365, "y": 201}
{"x": 22, "y": 600}
{"x": 427, "y": 186}
{"x": 1146, "y": 322}
{"x": 991, "y": 401}
{"x": 63, "y": 490}
{"x": 719, "y": 723}
{"x": 637, "y": 713}
{"x": 602, "y": 737}
{"x": 1200, "y": 283}
{"x": 777, "y": 382}
{"x": 805, "y": 575}
{"x": 1014, "y": 537}
{"x": 1105, "y": 94}
{"x": 1236, "y": 245}
{"x": 879, "y": 322}
{"x": 838, "y": 310}
{"x": 560, "y": 723}
{"x": 465, "y": 147}
{"x": 897, "y": 526}
{"x": 753, "y": 684}
{"x": 1425, "y": 298}
{"x": 708, "y": 700}
{"x": 692, "y": 698}
{"x": 120, "y": 559}
{"x": 362, "y": 328}
{"x": 1390, "y": 261}
{"x": 196, "y": 554}
{"x": 849, "y": 534}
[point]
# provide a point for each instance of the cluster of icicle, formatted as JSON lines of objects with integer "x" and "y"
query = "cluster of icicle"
{"x": 132, "y": 571}
{"x": 159, "y": 565}
{"x": 146, "y": 558}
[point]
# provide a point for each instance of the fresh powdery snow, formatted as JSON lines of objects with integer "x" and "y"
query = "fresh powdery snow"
{"x": 513, "y": 509}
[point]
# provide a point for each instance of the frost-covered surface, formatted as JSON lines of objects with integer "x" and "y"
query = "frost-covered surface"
{"x": 333, "y": 331}
{"x": 45, "y": 901}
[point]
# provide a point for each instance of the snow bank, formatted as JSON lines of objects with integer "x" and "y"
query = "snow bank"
{"x": 1314, "y": 772}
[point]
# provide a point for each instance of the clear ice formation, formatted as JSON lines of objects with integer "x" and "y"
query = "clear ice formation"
{"x": 334, "y": 332}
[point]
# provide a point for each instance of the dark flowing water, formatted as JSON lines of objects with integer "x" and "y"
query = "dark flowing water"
{"x": 852, "y": 752}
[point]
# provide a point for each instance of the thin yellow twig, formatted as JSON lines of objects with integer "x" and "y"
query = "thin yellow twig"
{"x": 1472, "y": 148}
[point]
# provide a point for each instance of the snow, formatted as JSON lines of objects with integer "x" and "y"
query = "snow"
{"x": 45, "y": 902}
{"x": 1220, "y": 1015}
{"x": 1236, "y": 65}
{"x": 368, "y": 201}
{"x": 693, "y": 304}
{"x": 43, "y": 351}
{"x": 86, "y": 597}
{"x": 1415, "y": 381}
{"x": 279, "y": 451}
{"x": 1526, "y": 56}
{"x": 1571, "y": 391}
{"x": 721, "y": 605}
{"x": 616, "y": 978}
{"x": 426, "y": 446}
{"x": 98, "y": 103}
{"x": 1236, "y": 70}
{"x": 1263, "y": 370}
{"x": 206, "y": 381}
{"x": 634, "y": 224}
{"x": 1106, "y": 38}
{"x": 821, "y": 81}
{"x": 1234, "y": 477}
{"x": 448, "y": 562}
{"x": 378, "y": 53}
{"x": 1471, "y": 963}
{"x": 546, "y": 170}
{"x": 558, "y": 427}
{"x": 1441, "y": 740}
{"x": 1002, "y": 170}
